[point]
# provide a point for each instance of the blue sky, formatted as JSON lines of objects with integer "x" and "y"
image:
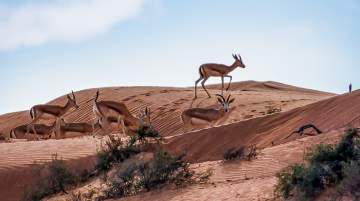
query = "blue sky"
{"x": 50, "y": 47}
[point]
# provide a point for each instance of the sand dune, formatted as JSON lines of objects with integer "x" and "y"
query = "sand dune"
{"x": 243, "y": 180}
{"x": 166, "y": 103}
{"x": 210, "y": 144}
{"x": 236, "y": 180}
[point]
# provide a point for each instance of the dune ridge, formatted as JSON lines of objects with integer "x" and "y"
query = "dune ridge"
{"x": 166, "y": 104}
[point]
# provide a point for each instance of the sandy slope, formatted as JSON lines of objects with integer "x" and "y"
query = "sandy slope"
{"x": 210, "y": 144}
{"x": 243, "y": 180}
{"x": 235, "y": 180}
{"x": 252, "y": 100}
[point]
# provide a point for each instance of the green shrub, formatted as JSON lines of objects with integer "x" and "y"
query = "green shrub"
{"x": 351, "y": 182}
{"x": 123, "y": 182}
{"x": 134, "y": 176}
{"x": 163, "y": 168}
{"x": 328, "y": 165}
{"x": 144, "y": 132}
{"x": 115, "y": 150}
{"x": 56, "y": 178}
{"x": 288, "y": 178}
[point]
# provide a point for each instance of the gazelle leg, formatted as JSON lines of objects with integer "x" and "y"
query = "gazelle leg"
{"x": 32, "y": 124}
{"x": 121, "y": 120}
{"x": 123, "y": 126}
{"x": 196, "y": 82}
{"x": 203, "y": 86}
{"x": 229, "y": 76}
{"x": 222, "y": 85}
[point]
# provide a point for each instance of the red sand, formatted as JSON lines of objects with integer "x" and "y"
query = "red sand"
{"x": 247, "y": 124}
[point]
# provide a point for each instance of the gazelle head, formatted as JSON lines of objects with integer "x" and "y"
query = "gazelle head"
{"x": 97, "y": 95}
{"x": 144, "y": 116}
{"x": 238, "y": 61}
{"x": 72, "y": 101}
{"x": 225, "y": 102}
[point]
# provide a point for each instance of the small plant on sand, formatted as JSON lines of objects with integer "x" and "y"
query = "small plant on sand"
{"x": 130, "y": 175}
{"x": 327, "y": 166}
{"x": 143, "y": 133}
{"x": 272, "y": 109}
{"x": 234, "y": 153}
{"x": 56, "y": 178}
{"x": 115, "y": 150}
{"x": 350, "y": 185}
{"x": 240, "y": 153}
{"x": 137, "y": 176}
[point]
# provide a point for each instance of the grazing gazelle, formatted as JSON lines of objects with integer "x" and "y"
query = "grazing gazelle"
{"x": 132, "y": 126}
{"x": 62, "y": 127}
{"x": 207, "y": 114}
{"x": 37, "y": 111}
{"x": 39, "y": 129}
{"x": 102, "y": 111}
{"x": 217, "y": 70}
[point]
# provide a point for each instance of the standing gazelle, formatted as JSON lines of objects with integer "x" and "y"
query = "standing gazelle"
{"x": 102, "y": 111}
{"x": 217, "y": 70}
{"x": 208, "y": 114}
{"x": 37, "y": 111}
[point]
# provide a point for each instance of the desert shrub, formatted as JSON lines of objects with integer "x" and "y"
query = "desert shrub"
{"x": 234, "y": 153}
{"x": 123, "y": 182}
{"x": 288, "y": 178}
{"x": 115, "y": 150}
{"x": 351, "y": 182}
{"x": 144, "y": 132}
{"x": 272, "y": 109}
{"x": 241, "y": 153}
{"x": 163, "y": 168}
{"x": 135, "y": 176}
{"x": 56, "y": 178}
{"x": 328, "y": 165}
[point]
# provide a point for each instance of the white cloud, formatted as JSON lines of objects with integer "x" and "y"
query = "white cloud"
{"x": 62, "y": 20}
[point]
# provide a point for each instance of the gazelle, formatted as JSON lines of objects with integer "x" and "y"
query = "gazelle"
{"x": 102, "y": 111}
{"x": 62, "y": 127}
{"x": 39, "y": 129}
{"x": 208, "y": 114}
{"x": 37, "y": 111}
{"x": 217, "y": 70}
{"x": 132, "y": 126}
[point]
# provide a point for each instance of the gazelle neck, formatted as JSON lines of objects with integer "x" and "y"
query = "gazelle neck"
{"x": 232, "y": 67}
{"x": 66, "y": 107}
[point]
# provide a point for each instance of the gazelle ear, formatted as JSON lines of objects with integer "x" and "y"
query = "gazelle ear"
{"x": 232, "y": 100}
{"x": 228, "y": 98}
{"x": 72, "y": 92}
{"x": 220, "y": 96}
